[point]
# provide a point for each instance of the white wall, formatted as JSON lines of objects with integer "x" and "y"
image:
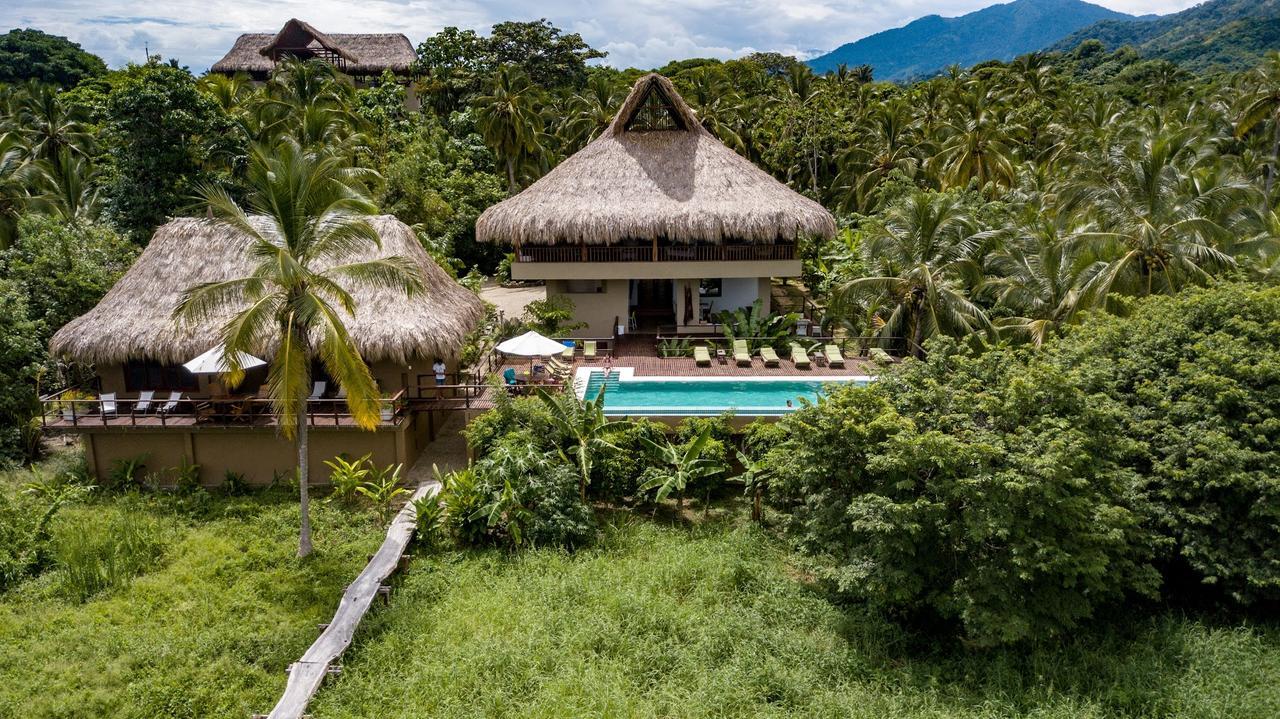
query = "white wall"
{"x": 735, "y": 292}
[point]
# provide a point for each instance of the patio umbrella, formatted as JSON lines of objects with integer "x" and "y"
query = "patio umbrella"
{"x": 530, "y": 344}
{"x": 211, "y": 362}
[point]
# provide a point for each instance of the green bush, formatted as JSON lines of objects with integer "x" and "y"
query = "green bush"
{"x": 988, "y": 490}
{"x": 1198, "y": 380}
{"x": 101, "y": 551}
{"x": 543, "y": 502}
{"x": 615, "y": 473}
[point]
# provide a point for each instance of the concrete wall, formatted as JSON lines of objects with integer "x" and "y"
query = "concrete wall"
{"x": 257, "y": 453}
{"x": 598, "y": 309}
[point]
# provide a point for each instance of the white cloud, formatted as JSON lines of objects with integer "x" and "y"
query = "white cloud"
{"x": 642, "y": 33}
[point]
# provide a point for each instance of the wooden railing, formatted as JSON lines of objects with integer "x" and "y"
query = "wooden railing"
{"x": 657, "y": 253}
{"x": 63, "y": 410}
{"x": 852, "y": 346}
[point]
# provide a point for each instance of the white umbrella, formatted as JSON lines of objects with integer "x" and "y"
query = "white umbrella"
{"x": 211, "y": 362}
{"x": 531, "y": 344}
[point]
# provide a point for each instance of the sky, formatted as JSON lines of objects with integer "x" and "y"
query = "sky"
{"x": 639, "y": 33}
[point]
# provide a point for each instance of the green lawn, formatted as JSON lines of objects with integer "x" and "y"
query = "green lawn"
{"x": 205, "y": 630}
{"x": 713, "y": 622}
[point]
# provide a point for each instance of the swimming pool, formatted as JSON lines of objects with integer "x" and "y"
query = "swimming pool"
{"x": 705, "y": 396}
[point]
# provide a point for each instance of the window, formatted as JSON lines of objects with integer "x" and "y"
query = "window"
{"x": 655, "y": 113}
{"x": 144, "y": 375}
{"x": 584, "y": 287}
{"x": 711, "y": 288}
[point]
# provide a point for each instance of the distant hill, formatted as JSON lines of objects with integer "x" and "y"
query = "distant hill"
{"x": 999, "y": 32}
{"x": 1216, "y": 35}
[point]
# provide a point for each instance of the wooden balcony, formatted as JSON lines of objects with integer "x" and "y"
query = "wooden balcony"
{"x": 655, "y": 253}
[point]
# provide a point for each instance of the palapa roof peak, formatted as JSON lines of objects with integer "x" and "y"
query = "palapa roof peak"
{"x": 134, "y": 321}
{"x": 298, "y": 34}
{"x": 356, "y": 53}
{"x": 655, "y": 173}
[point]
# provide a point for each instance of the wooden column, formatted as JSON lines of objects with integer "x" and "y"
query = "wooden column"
{"x": 655, "y": 249}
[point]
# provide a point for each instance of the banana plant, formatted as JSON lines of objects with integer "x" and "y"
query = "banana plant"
{"x": 679, "y": 467}
{"x": 758, "y": 327}
{"x": 585, "y": 425}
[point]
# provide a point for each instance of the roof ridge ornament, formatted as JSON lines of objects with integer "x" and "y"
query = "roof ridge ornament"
{"x": 654, "y": 105}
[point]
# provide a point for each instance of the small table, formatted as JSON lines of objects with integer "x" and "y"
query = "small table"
{"x": 720, "y": 356}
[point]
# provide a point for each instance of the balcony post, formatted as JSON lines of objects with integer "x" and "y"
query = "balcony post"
{"x": 655, "y": 248}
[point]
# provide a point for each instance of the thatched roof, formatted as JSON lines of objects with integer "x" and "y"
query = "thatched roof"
{"x": 363, "y": 53}
{"x": 135, "y": 319}
{"x": 654, "y": 173}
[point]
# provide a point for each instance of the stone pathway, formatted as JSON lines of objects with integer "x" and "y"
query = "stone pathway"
{"x": 448, "y": 452}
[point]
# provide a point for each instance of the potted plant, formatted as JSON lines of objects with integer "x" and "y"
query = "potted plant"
{"x": 74, "y": 403}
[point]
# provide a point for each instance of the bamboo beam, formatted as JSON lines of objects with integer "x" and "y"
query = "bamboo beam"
{"x": 306, "y": 674}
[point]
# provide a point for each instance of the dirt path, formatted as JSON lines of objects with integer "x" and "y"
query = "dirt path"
{"x": 510, "y": 301}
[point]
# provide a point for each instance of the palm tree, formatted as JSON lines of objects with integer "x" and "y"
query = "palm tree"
{"x": 16, "y": 173}
{"x": 508, "y": 119}
{"x": 590, "y": 111}
{"x": 293, "y": 301}
{"x": 977, "y": 144}
{"x": 892, "y": 146}
{"x": 1035, "y": 273}
{"x": 919, "y": 261}
{"x": 50, "y": 126}
{"x": 583, "y": 423}
{"x": 1155, "y": 228}
{"x": 1263, "y": 105}
{"x": 69, "y": 187}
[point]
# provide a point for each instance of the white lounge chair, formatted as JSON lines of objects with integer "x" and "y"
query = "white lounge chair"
{"x": 108, "y": 404}
{"x": 172, "y": 405}
{"x": 317, "y": 390}
{"x": 143, "y": 404}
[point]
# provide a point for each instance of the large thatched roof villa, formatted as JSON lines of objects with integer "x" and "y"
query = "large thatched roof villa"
{"x": 656, "y": 223}
{"x": 138, "y": 351}
{"x": 359, "y": 55}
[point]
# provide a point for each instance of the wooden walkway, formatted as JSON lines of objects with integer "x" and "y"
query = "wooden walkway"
{"x": 306, "y": 674}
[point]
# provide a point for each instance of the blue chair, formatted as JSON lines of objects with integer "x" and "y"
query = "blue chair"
{"x": 509, "y": 377}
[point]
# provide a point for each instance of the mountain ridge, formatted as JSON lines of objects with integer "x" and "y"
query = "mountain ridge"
{"x": 997, "y": 32}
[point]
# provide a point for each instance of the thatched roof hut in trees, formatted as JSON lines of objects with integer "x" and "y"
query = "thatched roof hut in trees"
{"x": 136, "y": 348}
{"x": 360, "y": 55}
{"x": 659, "y": 219}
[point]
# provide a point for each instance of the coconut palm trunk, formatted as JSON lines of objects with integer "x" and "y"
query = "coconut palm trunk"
{"x": 304, "y": 497}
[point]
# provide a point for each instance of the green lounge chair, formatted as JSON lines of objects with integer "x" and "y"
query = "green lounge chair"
{"x": 880, "y": 357}
{"x": 769, "y": 356}
{"x": 834, "y": 358}
{"x": 569, "y": 349}
{"x": 589, "y": 350}
{"x": 702, "y": 356}
{"x": 741, "y": 354}
{"x": 799, "y": 356}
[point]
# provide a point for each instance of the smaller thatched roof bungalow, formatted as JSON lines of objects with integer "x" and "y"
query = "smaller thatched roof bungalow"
{"x": 134, "y": 321}
{"x": 359, "y": 54}
{"x": 655, "y": 174}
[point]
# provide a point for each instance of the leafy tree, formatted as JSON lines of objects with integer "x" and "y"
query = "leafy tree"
{"x": 161, "y": 133}
{"x": 991, "y": 491}
{"x": 314, "y": 208}
{"x": 21, "y": 353}
{"x": 63, "y": 270}
{"x": 47, "y": 59}
{"x": 1195, "y": 377}
{"x": 550, "y": 59}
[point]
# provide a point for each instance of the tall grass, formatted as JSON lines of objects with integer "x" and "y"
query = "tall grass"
{"x": 103, "y": 548}
{"x": 715, "y": 622}
{"x": 205, "y": 630}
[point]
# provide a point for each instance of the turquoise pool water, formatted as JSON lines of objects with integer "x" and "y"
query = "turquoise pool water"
{"x": 705, "y": 397}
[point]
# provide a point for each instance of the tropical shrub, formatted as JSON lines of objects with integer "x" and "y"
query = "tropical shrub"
{"x": 20, "y": 356}
{"x": 1197, "y": 377}
{"x": 758, "y": 327}
{"x": 991, "y": 491}
{"x": 615, "y": 474}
